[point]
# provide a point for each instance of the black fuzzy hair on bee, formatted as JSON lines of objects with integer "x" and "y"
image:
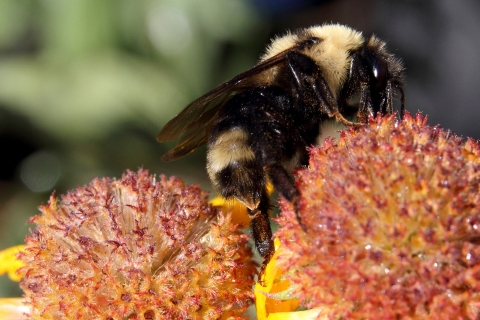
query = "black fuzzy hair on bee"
{"x": 262, "y": 120}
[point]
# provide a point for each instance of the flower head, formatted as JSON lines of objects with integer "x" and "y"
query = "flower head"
{"x": 136, "y": 248}
{"x": 392, "y": 217}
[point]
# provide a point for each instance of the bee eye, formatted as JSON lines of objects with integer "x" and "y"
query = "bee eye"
{"x": 311, "y": 41}
{"x": 380, "y": 73}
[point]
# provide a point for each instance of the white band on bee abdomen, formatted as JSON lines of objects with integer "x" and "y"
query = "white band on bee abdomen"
{"x": 229, "y": 147}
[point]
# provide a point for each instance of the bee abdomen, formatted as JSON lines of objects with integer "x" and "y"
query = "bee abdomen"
{"x": 232, "y": 167}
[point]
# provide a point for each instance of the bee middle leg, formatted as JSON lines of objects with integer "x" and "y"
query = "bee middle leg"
{"x": 285, "y": 185}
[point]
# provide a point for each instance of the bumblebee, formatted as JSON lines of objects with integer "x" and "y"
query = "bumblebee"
{"x": 261, "y": 122}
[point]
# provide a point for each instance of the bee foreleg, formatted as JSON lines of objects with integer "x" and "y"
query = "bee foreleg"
{"x": 388, "y": 105}
{"x": 365, "y": 106}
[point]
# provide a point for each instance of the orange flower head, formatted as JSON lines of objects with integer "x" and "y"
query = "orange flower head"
{"x": 136, "y": 248}
{"x": 392, "y": 217}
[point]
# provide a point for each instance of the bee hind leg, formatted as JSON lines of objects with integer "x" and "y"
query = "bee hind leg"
{"x": 261, "y": 231}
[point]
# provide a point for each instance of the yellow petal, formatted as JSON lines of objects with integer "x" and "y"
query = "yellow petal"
{"x": 13, "y": 309}
{"x": 239, "y": 210}
{"x": 267, "y": 306}
{"x": 297, "y": 315}
{"x": 9, "y": 263}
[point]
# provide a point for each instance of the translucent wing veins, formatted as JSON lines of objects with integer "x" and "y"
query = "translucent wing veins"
{"x": 192, "y": 123}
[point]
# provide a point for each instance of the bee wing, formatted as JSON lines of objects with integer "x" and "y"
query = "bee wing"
{"x": 194, "y": 133}
{"x": 193, "y": 122}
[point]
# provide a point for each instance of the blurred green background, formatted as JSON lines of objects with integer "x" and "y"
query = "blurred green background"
{"x": 86, "y": 85}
